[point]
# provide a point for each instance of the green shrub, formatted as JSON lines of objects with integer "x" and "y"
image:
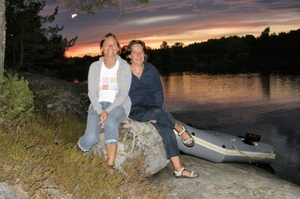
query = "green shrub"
{"x": 16, "y": 102}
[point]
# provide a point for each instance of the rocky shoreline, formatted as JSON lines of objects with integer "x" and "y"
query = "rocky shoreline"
{"x": 225, "y": 180}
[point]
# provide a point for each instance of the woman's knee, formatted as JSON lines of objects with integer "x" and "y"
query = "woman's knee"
{"x": 157, "y": 110}
{"x": 111, "y": 124}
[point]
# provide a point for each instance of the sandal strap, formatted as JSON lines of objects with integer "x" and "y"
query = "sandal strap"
{"x": 186, "y": 141}
{"x": 182, "y": 131}
{"x": 192, "y": 174}
{"x": 179, "y": 173}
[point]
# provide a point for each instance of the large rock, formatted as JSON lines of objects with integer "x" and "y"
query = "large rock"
{"x": 59, "y": 95}
{"x": 139, "y": 144}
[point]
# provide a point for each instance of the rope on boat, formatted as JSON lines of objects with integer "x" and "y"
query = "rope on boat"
{"x": 252, "y": 158}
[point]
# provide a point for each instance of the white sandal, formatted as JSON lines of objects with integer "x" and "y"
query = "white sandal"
{"x": 185, "y": 142}
{"x": 178, "y": 174}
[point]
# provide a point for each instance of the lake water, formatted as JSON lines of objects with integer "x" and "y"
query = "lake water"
{"x": 236, "y": 104}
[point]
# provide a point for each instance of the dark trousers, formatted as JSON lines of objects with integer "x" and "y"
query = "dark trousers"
{"x": 165, "y": 124}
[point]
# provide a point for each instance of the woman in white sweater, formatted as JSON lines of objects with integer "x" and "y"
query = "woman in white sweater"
{"x": 109, "y": 82}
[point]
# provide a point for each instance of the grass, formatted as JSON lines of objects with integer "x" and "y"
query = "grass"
{"x": 45, "y": 151}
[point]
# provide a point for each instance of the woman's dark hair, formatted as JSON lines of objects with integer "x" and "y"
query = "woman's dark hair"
{"x": 107, "y": 36}
{"x": 129, "y": 50}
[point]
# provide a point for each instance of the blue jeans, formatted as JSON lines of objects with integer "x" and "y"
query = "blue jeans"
{"x": 165, "y": 124}
{"x": 111, "y": 127}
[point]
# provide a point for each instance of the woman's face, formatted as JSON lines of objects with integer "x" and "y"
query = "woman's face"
{"x": 137, "y": 55}
{"x": 110, "y": 47}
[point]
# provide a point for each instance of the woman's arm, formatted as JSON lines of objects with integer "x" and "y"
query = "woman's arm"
{"x": 158, "y": 91}
{"x": 93, "y": 86}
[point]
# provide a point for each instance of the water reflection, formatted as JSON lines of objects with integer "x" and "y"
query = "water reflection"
{"x": 265, "y": 84}
{"x": 226, "y": 89}
{"x": 235, "y": 104}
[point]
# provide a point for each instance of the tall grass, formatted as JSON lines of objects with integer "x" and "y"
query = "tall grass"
{"x": 46, "y": 150}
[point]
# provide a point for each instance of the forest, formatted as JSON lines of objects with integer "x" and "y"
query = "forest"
{"x": 33, "y": 46}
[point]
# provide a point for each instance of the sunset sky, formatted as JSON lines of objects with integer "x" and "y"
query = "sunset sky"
{"x": 185, "y": 21}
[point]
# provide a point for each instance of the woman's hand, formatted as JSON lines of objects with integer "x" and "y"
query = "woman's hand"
{"x": 102, "y": 118}
{"x": 153, "y": 121}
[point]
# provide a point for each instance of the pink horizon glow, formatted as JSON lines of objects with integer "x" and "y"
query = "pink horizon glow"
{"x": 154, "y": 43}
{"x": 185, "y": 21}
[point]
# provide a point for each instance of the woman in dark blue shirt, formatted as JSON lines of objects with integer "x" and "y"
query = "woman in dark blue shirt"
{"x": 147, "y": 99}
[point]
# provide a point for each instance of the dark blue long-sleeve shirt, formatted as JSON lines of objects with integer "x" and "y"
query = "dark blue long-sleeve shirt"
{"x": 148, "y": 88}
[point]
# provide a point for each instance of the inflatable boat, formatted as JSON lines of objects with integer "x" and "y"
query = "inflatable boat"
{"x": 220, "y": 147}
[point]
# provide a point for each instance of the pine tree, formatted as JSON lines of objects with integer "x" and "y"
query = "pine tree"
{"x": 30, "y": 45}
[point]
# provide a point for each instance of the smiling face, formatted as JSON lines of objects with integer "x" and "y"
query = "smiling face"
{"x": 110, "y": 47}
{"x": 137, "y": 55}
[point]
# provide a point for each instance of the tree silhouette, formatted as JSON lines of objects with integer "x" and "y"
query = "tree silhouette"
{"x": 265, "y": 33}
{"x": 2, "y": 37}
{"x": 164, "y": 45}
{"x": 29, "y": 43}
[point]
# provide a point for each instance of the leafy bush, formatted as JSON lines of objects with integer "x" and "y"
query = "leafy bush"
{"x": 16, "y": 102}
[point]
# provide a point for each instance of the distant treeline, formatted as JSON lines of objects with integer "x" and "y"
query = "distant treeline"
{"x": 268, "y": 53}
{"x": 264, "y": 54}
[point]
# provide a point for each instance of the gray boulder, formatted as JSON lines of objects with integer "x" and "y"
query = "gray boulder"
{"x": 139, "y": 144}
{"x": 59, "y": 95}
